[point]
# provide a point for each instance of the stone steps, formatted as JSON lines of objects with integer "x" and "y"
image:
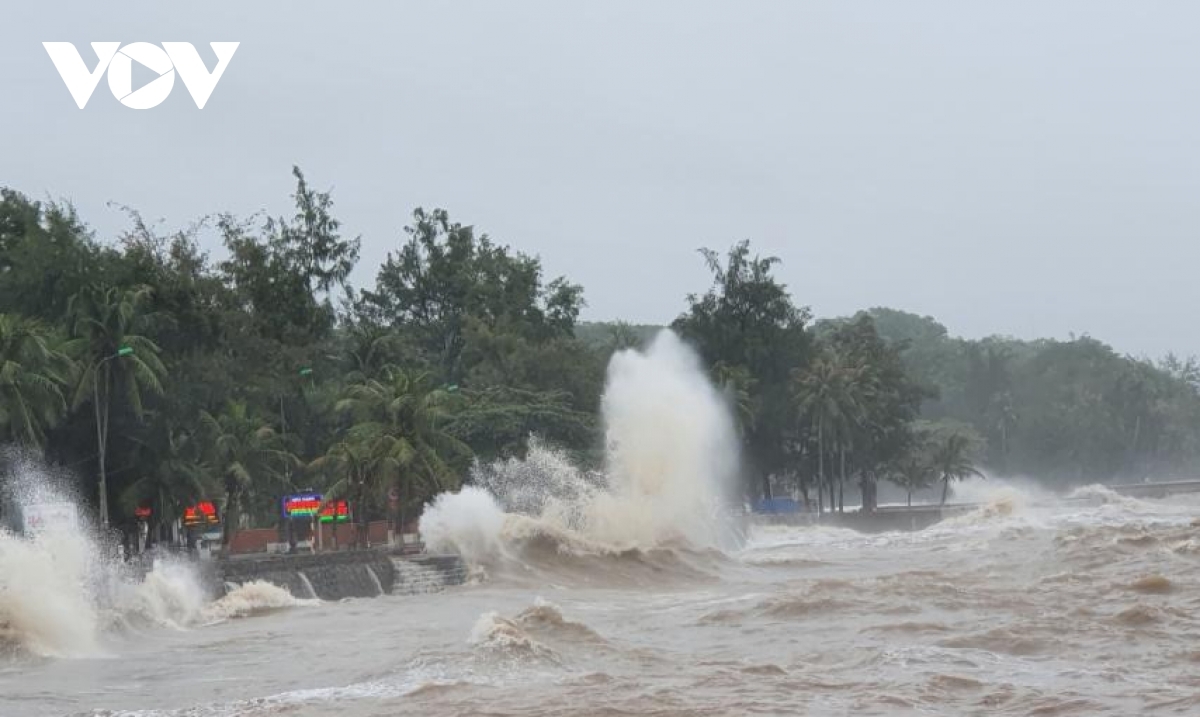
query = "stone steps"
{"x": 334, "y": 576}
{"x": 426, "y": 574}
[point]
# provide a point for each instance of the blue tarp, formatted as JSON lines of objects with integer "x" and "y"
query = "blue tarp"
{"x": 777, "y": 505}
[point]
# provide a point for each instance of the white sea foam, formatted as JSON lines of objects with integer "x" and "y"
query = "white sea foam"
{"x": 671, "y": 462}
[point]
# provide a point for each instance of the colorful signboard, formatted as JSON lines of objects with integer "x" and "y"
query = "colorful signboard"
{"x": 142, "y": 512}
{"x": 335, "y": 512}
{"x": 202, "y": 513}
{"x": 308, "y": 505}
{"x": 301, "y": 505}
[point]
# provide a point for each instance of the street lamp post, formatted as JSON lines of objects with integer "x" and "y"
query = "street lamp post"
{"x": 102, "y": 426}
{"x": 291, "y": 533}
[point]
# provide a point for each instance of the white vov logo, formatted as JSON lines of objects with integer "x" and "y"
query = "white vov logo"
{"x": 119, "y": 61}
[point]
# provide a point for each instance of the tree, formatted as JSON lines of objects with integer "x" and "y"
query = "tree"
{"x": 33, "y": 373}
{"x": 371, "y": 348}
{"x": 829, "y": 396}
{"x": 247, "y": 455}
{"x": 103, "y": 325}
{"x": 456, "y": 309}
{"x": 747, "y": 319}
{"x": 887, "y": 398}
{"x": 351, "y": 468}
{"x": 444, "y": 276}
{"x": 173, "y": 475}
{"x": 912, "y": 473}
{"x": 914, "y": 470}
{"x": 952, "y": 457}
{"x": 497, "y": 421}
{"x": 399, "y": 433}
{"x": 46, "y": 256}
{"x": 282, "y": 275}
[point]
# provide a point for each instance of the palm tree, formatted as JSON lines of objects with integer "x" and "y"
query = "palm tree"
{"x": 245, "y": 454}
{"x": 174, "y": 476}
{"x": 370, "y": 347}
{"x": 400, "y": 418}
{"x": 829, "y": 394}
{"x": 952, "y": 459}
{"x": 1004, "y": 418}
{"x": 103, "y": 325}
{"x": 354, "y": 471}
{"x": 913, "y": 471}
{"x": 32, "y": 376}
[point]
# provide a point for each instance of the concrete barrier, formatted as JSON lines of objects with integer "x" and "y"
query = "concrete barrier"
{"x": 352, "y": 573}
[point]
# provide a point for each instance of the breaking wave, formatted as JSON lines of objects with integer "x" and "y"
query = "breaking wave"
{"x": 45, "y": 603}
{"x": 546, "y": 618}
{"x": 60, "y": 592}
{"x": 670, "y": 463}
{"x": 252, "y": 598}
{"x": 505, "y": 638}
{"x": 1106, "y": 496}
{"x": 538, "y": 633}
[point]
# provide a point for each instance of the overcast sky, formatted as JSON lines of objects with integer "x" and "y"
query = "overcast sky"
{"x": 1014, "y": 168}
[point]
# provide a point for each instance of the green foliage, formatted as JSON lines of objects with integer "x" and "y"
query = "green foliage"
{"x": 747, "y": 319}
{"x": 33, "y": 376}
{"x": 249, "y": 458}
{"x": 46, "y": 257}
{"x": 952, "y": 455}
{"x": 615, "y": 335}
{"x": 249, "y": 366}
{"x": 103, "y": 320}
{"x": 1062, "y": 412}
{"x": 173, "y": 474}
{"x": 497, "y": 421}
{"x": 914, "y": 470}
{"x": 444, "y": 279}
{"x": 402, "y": 417}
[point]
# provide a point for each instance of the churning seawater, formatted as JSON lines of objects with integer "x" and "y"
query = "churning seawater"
{"x": 628, "y": 593}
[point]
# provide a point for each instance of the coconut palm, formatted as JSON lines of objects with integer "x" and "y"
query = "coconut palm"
{"x": 359, "y": 469}
{"x": 247, "y": 455}
{"x": 105, "y": 322}
{"x": 951, "y": 459}
{"x": 369, "y": 348}
{"x": 33, "y": 373}
{"x": 173, "y": 477}
{"x": 400, "y": 418}
{"x": 829, "y": 395}
{"x": 913, "y": 471}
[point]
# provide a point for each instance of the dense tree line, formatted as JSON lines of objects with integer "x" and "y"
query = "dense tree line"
{"x": 1062, "y": 412}
{"x": 160, "y": 375}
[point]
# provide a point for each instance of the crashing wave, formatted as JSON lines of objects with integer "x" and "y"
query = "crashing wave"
{"x": 504, "y": 638}
{"x": 252, "y": 598}
{"x": 46, "y": 606}
{"x": 671, "y": 462}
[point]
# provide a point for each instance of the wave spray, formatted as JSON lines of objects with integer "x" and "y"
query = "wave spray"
{"x": 671, "y": 463}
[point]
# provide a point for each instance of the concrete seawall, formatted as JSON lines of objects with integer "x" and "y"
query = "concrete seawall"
{"x": 879, "y": 521}
{"x": 919, "y": 517}
{"x": 333, "y": 576}
{"x": 889, "y": 519}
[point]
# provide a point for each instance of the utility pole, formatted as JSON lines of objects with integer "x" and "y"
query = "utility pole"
{"x": 102, "y": 426}
{"x": 291, "y": 529}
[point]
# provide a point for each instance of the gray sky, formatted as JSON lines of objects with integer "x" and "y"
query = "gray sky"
{"x": 1016, "y": 168}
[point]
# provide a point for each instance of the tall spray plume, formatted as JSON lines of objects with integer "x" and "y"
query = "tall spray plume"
{"x": 671, "y": 462}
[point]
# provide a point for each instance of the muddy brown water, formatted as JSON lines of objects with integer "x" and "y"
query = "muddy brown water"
{"x": 1024, "y": 608}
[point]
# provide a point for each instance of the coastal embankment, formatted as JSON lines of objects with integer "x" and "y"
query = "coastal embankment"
{"x": 342, "y": 574}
